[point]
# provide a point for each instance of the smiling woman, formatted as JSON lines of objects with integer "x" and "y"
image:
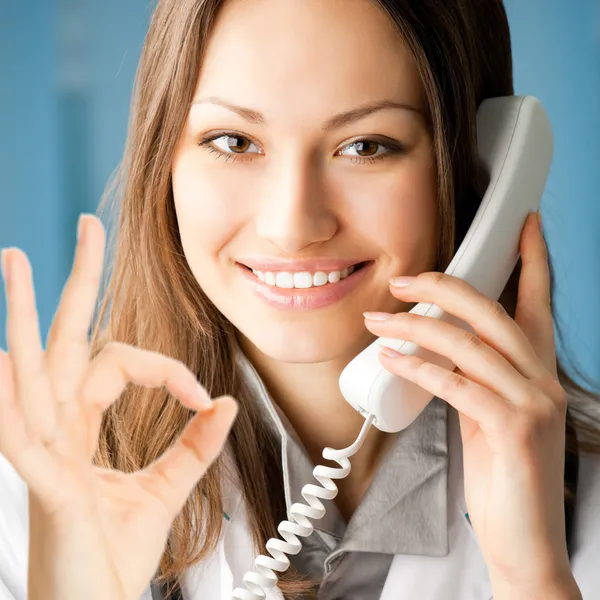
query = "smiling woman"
{"x": 280, "y": 170}
{"x": 340, "y": 177}
{"x": 284, "y": 172}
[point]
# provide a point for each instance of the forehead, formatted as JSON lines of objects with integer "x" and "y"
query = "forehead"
{"x": 308, "y": 54}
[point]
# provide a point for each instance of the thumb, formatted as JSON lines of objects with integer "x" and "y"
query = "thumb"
{"x": 533, "y": 312}
{"x": 176, "y": 472}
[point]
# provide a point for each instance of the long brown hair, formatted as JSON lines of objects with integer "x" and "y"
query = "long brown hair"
{"x": 152, "y": 300}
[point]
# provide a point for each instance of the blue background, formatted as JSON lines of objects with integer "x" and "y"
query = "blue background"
{"x": 66, "y": 75}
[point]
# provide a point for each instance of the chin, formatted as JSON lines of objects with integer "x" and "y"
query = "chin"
{"x": 302, "y": 344}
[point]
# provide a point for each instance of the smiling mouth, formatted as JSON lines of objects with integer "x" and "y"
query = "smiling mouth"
{"x": 304, "y": 279}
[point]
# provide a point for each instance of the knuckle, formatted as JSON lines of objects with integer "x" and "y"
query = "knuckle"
{"x": 556, "y": 392}
{"x": 111, "y": 356}
{"x": 532, "y": 399}
{"x": 64, "y": 343}
{"x": 30, "y": 311}
{"x": 494, "y": 309}
{"x": 433, "y": 277}
{"x": 112, "y": 349}
{"x": 533, "y": 423}
{"x": 561, "y": 399}
{"x": 472, "y": 340}
{"x": 194, "y": 449}
{"x": 421, "y": 371}
{"x": 159, "y": 482}
{"x": 453, "y": 382}
{"x": 405, "y": 320}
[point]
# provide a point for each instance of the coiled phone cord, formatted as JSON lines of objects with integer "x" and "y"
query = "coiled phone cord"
{"x": 262, "y": 575}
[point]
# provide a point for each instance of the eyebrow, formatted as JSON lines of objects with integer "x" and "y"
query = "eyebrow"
{"x": 339, "y": 120}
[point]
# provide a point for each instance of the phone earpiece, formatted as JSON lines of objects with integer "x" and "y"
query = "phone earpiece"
{"x": 515, "y": 144}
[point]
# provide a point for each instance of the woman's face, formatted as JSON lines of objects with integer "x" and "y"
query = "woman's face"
{"x": 304, "y": 177}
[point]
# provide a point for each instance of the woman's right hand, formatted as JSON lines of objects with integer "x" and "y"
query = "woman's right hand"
{"x": 94, "y": 533}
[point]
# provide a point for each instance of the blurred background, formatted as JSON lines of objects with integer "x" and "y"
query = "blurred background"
{"x": 66, "y": 76}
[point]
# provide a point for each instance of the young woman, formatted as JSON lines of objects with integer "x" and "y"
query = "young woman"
{"x": 276, "y": 145}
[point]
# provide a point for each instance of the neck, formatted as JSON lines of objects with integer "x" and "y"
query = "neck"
{"x": 309, "y": 396}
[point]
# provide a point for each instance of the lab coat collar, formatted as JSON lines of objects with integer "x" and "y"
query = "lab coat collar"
{"x": 404, "y": 511}
{"x": 461, "y": 574}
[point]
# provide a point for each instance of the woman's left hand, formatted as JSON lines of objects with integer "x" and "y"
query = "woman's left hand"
{"x": 512, "y": 412}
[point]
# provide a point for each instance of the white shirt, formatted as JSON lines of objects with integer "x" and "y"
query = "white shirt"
{"x": 459, "y": 575}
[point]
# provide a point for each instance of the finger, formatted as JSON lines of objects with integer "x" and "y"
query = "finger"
{"x": 172, "y": 476}
{"x": 13, "y": 430}
{"x": 116, "y": 365}
{"x": 23, "y": 330}
{"x": 478, "y": 403}
{"x": 533, "y": 313}
{"x": 67, "y": 350}
{"x": 473, "y": 356}
{"x": 487, "y": 318}
{"x": 25, "y": 346}
{"x": 30, "y": 459}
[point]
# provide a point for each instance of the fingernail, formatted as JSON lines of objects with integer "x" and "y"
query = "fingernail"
{"x": 376, "y": 316}
{"x": 389, "y": 351}
{"x": 539, "y": 218}
{"x": 5, "y": 265}
{"x": 401, "y": 281}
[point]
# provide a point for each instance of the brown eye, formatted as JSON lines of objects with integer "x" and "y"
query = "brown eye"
{"x": 237, "y": 144}
{"x": 366, "y": 148}
{"x": 230, "y": 146}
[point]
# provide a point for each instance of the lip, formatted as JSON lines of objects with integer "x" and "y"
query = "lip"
{"x": 311, "y": 265}
{"x": 310, "y": 298}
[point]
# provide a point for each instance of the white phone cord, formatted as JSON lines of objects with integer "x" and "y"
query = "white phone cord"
{"x": 263, "y": 574}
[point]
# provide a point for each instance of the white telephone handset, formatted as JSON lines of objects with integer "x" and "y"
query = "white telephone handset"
{"x": 515, "y": 143}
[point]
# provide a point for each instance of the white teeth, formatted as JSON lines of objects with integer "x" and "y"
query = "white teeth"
{"x": 302, "y": 279}
{"x": 284, "y": 280}
{"x": 319, "y": 278}
{"x": 334, "y": 276}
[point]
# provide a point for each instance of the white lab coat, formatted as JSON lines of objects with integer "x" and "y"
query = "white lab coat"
{"x": 461, "y": 575}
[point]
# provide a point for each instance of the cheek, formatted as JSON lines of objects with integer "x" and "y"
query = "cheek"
{"x": 209, "y": 214}
{"x": 397, "y": 212}
{"x": 409, "y": 230}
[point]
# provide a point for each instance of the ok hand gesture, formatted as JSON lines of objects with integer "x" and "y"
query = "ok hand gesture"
{"x": 94, "y": 533}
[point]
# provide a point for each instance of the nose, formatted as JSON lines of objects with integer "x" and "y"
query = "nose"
{"x": 295, "y": 213}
